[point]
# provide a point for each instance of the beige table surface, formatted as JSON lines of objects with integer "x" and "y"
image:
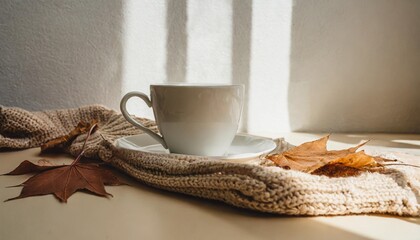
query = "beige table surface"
{"x": 142, "y": 212}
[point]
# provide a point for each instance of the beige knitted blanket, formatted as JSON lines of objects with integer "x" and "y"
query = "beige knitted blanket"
{"x": 257, "y": 187}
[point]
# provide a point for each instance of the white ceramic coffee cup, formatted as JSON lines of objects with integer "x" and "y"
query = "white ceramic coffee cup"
{"x": 193, "y": 119}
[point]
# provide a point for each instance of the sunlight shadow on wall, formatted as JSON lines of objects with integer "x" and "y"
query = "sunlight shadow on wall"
{"x": 209, "y": 30}
{"x": 269, "y": 78}
{"x": 355, "y": 66}
{"x": 176, "y": 40}
{"x": 144, "y": 60}
{"x": 241, "y": 51}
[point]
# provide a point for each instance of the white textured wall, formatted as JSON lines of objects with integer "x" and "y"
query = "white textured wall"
{"x": 269, "y": 77}
{"x": 311, "y": 65}
{"x": 144, "y": 40}
{"x": 209, "y": 30}
{"x": 61, "y": 53}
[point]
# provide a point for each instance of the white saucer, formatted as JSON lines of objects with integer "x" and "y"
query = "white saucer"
{"x": 243, "y": 146}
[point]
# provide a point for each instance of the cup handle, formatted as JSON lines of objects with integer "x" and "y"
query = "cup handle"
{"x": 131, "y": 120}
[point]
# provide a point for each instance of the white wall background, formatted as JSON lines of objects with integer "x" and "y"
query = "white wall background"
{"x": 355, "y": 66}
{"x": 308, "y": 65}
{"x": 56, "y": 54}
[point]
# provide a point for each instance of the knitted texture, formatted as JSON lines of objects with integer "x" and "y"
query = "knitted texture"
{"x": 258, "y": 186}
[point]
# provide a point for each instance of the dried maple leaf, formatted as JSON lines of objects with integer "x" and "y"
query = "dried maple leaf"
{"x": 358, "y": 160}
{"x": 64, "y": 180}
{"x": 310, "y": 156}
{"x": 350, "y": 165}
{"x": 29, "y": 167}
{"x": 337, "y": 170}
{"x": 64, "y": 141}
{"x": 313, "y": 157}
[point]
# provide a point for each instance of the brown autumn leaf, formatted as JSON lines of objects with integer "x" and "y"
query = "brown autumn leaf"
{"x": 314, "y": 158}
{"x": 358, "y": 160}
{"x": 310, "y": 156}
{"x": 64, "y": 141}
{"x": 337, "y": 170}
{"x": 26, "y": 167}
{"x": 350, "y": 165}
{"x": 64, "y": 180}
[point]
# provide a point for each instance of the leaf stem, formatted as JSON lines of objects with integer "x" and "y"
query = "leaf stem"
{"x": 401, "y": 164}
{"x": 92, "y": 128}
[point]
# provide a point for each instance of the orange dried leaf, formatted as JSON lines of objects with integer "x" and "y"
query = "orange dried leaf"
{"x": 310, "y": 156}
{"x": 357, "y": 160}
{"x": 63, "y": 141}
{"x": 337, "y": 170}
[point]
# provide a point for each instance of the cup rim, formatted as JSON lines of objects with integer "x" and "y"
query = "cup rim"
{"x": 196, "y": 85}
